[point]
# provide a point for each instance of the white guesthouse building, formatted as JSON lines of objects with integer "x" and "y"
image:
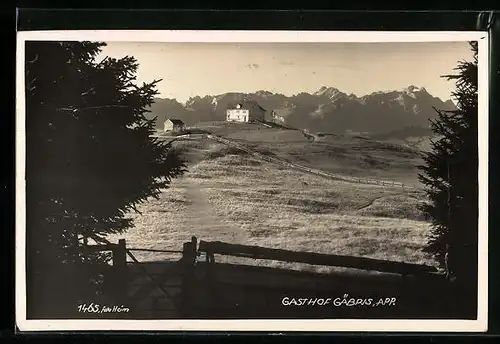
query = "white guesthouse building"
{"x": 246, "y": 112}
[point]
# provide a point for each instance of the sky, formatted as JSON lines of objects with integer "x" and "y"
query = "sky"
{"x": 199, "y": 69}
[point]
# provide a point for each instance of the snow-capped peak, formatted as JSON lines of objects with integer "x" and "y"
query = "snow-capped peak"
{"x": 330, "y": 92}
{"x": 411, "y": 90}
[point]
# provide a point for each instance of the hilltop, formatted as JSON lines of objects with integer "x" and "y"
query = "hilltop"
{"x": 327, "y": 109}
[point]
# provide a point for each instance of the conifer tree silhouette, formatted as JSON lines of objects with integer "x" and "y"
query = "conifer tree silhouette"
{"x": 450, "y": 174}
{"x": 90, "y": 159}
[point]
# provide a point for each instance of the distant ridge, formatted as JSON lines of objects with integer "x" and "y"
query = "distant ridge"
{"x": 327, "y": 110}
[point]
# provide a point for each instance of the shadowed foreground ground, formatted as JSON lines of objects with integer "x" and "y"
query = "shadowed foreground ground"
{"x": 241, "y": 292}
{"x": 227, "y": 291}
{"x": 231, "y": 291}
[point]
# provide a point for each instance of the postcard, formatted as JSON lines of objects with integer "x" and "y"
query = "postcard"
{"x": 252, "y": 181}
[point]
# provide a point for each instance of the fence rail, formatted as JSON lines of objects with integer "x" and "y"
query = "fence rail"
{"x": 193, "y": 249}
{"x": 154, "y": 250}
{"x": 361, "y": 263}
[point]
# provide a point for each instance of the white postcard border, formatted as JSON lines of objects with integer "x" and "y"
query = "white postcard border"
{"x": 268, "y": 325}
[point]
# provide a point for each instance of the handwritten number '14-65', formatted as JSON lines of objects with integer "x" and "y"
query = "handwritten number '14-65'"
{"x": 95, "y": 308}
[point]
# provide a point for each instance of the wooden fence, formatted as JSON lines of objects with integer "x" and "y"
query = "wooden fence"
{"x": 123, "y": 272}
{"x": 119, "y": 263}
{"x": 360, "y": 263}
{"x": 281, "y": 161}
{"x": 219, "y": 289}
{"x": 197, "y": 278}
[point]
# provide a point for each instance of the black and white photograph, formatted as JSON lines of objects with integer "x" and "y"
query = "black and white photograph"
{"x": 252, "y": 181}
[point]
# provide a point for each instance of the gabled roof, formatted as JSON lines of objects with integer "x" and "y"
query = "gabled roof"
{"x": 250, "y": 104}
{"x": 175, "y": 121}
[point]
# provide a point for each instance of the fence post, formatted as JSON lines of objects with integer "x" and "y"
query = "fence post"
{"x": 120, "y": 268}
{"x": 188, "y": 261}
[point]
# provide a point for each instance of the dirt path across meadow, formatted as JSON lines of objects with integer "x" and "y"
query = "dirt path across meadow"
{"x": 369, "y": 204}
{"x": 202, "y": 216}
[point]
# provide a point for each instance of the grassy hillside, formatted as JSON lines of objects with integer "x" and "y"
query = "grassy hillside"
{"x": 341, "y": 154}
{"x": 230, "y": 196}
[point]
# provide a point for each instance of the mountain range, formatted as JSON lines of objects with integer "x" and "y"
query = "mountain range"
{"x": 326, "y": 110}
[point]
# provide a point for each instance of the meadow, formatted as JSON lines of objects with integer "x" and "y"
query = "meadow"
{"x": 230, "y": 196}
{"x": 346, "y": 154}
